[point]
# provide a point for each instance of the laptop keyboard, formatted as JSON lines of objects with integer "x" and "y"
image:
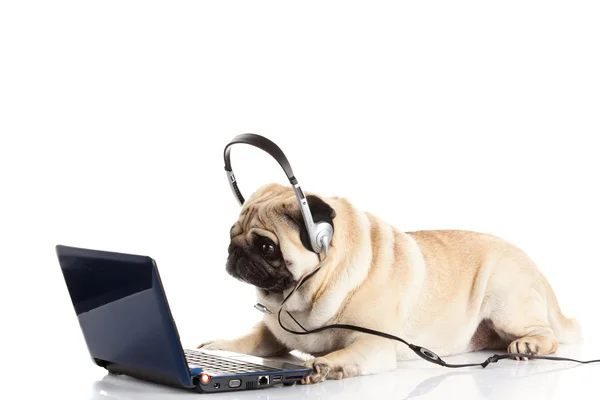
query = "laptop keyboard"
{"x": 214, "y": 365}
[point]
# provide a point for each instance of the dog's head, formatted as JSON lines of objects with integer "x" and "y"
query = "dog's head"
{"x": 268, "y": 246}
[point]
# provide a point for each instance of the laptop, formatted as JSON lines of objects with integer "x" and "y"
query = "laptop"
{"x": 129, "y": 330}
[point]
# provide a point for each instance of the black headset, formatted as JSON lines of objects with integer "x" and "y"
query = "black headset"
{"x": 319, "y": 233}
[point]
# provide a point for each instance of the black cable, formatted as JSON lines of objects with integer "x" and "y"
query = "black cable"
{"x": 422, "y": 352}
{"x": 296, "y": 321}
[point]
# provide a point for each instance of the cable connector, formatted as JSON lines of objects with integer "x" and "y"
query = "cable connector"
{"x": 493, "y": 359}
{"x": 427, "y": 355}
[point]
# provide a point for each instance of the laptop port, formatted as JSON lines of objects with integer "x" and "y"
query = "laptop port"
{"x": 235, "y": 383}
{"x": 277, "y": 378}
{"x": 263, "y": 380}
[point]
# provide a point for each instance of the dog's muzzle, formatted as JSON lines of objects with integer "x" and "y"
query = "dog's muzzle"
{"x": 241, "y": 267}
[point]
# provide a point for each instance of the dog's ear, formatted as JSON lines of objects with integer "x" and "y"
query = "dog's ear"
{"x": 321, "y": 212}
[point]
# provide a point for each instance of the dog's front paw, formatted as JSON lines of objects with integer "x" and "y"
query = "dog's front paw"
{"x": 225, "y": 345}
{"x": 322, "y": 369}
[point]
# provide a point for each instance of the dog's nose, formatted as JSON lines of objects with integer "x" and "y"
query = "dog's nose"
{"x": 234, "y": 250}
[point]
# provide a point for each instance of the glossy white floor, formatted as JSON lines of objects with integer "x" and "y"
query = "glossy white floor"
{"x": 506, "y": 379}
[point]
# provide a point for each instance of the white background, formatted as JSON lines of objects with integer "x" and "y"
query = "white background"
{"x": 451, "y": 115}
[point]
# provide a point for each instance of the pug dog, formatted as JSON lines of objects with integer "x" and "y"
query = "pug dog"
{"x": 450, "y": 291}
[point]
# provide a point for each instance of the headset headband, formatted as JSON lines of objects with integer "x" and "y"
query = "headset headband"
{"x": 275, "y": 152}
{"x": 263, "y": 144}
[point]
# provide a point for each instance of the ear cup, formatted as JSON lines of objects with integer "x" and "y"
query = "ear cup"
{"x": 319, "y": 223}
{"x": 322, "y": 214}
{"x": 324, "y": 234}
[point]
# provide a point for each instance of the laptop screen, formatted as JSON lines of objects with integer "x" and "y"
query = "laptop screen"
{"x": 122, "y": 310}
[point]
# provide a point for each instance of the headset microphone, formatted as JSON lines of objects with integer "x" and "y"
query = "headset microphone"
{"x": 325, "y": 239}
{"x": 320, "y": 234}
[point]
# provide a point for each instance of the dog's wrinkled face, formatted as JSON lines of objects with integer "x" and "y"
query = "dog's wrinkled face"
{"x": 267, "y": 247}
{"x": 260, "y": 262}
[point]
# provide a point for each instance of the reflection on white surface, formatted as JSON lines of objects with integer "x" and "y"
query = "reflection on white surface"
{"x": 505, "y": 380}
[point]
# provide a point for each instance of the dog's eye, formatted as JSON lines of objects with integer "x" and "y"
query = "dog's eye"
{"x": 268, "y": 249}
